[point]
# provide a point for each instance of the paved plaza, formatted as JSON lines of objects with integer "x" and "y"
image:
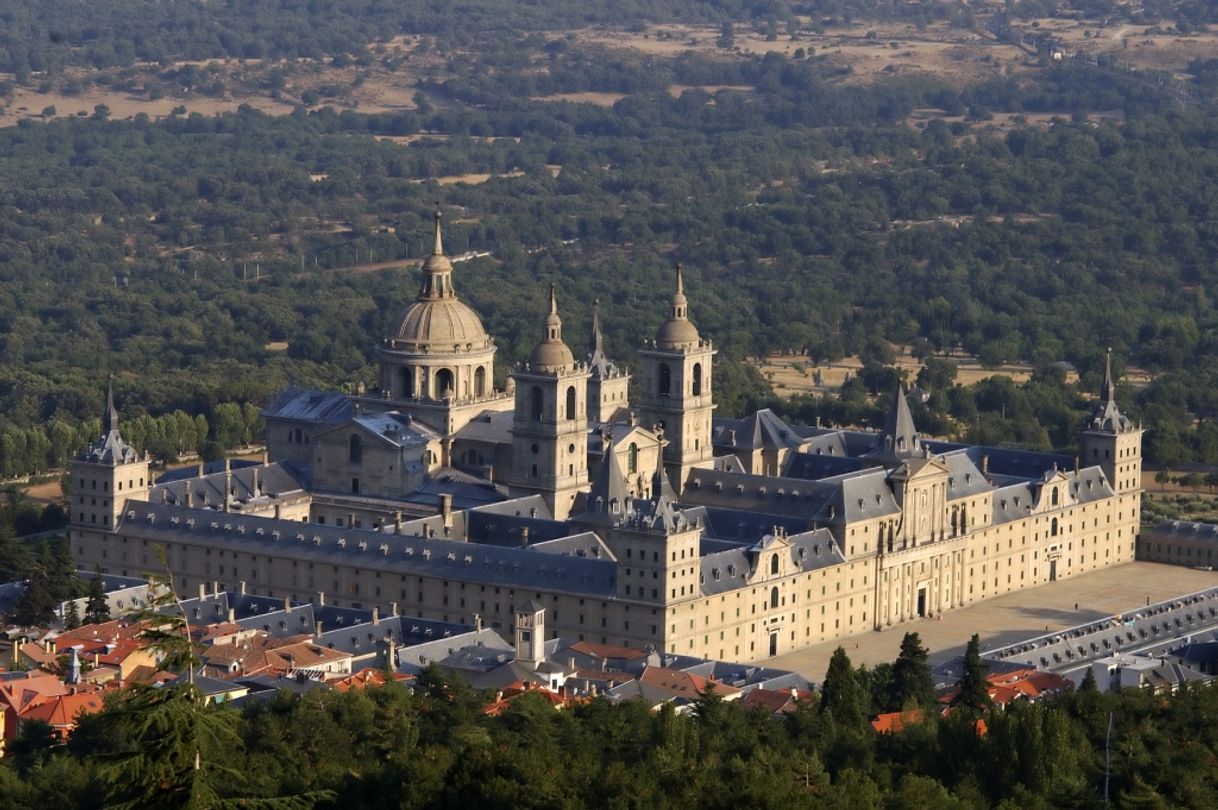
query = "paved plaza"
{"x": 1007, "y": 619}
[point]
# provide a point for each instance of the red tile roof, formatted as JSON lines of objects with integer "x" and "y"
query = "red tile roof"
{"x": 608, "y": 651}
{"x": 892, "y": 722}
{"x": 61, "y": 711}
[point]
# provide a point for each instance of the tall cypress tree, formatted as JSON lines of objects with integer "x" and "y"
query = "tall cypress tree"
{"x": 36, "y": 607}
{"x": 912, "y": 684}
{"x": 97, "y": 609}
{"x": 61, "y": 569}
{"x": 840, "y": 695}
{"x": 71, "y": 616}
{"x": 974, "y": 693}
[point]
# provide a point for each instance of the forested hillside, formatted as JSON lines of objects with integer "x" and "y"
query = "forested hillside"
{"x": 204, "y": 260}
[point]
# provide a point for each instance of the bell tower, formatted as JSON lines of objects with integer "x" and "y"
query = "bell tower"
{"x": 107, "y": 474}
{"x": 677, "y": 394}
{"x": 1111, "y": 441}
{"x": 550, "y": 425}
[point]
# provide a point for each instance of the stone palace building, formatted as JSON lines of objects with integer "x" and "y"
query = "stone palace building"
{"x": 645, "y": 523}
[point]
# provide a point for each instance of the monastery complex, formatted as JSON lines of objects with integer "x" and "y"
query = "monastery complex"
{"x": 560, "y": 506}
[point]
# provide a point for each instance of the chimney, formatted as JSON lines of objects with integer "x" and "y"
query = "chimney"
{"x": 397, "y": 522}
{"x": 188, "y": 496}
{"x": 202, "y": 590}
{"x": 446, "y": 508}
{"x": 317, "y": 628}
{"x": 321, "y": 598}
{"x": 1076, "y": 465}
{"x": 376, "y": 614}
{"x": 232, "y": 615}
{"x": 254, "y": 483}
{"x": 985, "y": 465}
{"x": 731, "y": 438}
{"x": 477, "y": 622}
{"x": 241, "y": 587}
{"x": 278, "y": 513}
{"x": 164, "y": 496}
{"x": 201, "y": 469}
{"x": 215, "y": 588}
{"x": 287, "y": 603}
{"x": 393, "y": 609}
{"x": 351, "y": 520}
{"x": 524, "y": 536}
{"x": 265, "y": 459}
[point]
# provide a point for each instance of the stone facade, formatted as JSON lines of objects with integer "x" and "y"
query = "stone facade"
{"x": 731, "y": 539}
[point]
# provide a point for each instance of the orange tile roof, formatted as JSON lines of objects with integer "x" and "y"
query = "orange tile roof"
{"x": 774, "y": 700}
{"x": 369, "y": 676}
{"x": 36, "y": 653}
{"x": 892, "y": 722}
{"x": 682, "y": 684}
{"x": 608, "y": 651}
{"x": 61, "y": 711}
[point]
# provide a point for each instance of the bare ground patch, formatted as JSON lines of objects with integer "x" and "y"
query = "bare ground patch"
{"x": 796, "y": 374}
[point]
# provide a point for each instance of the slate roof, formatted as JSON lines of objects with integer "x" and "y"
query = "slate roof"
{"x": 445, "y": 559}
{"x": 309, "y": 405}
{"x": 724, "y": 571}
{"x": 761, "y": 429}
{"x": 368, "y": 637}
{"x": 491, "y": 427}
{"x": 273, "y": 481}
{"x": 391, "y": 427}
{"x": 814, "y": 466}
{"x": 479, "y": 649}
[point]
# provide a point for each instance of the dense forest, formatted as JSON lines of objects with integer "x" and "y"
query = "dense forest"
{"x": 435, "y": 747}
{"x": 212, "y": 260}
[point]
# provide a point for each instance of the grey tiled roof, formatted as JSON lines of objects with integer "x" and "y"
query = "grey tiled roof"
{"x": 443, "y": 559}
{"x": 308, "y": 405}
{"x": 725, "y": 571}
{"x": 399, "y": 430}
{"x": 273, "y": 480}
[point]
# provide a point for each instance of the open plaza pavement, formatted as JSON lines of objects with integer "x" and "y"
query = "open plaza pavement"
{"x": 1013, "y": 617}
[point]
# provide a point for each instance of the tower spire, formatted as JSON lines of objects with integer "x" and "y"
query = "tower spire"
{"x": 596, "y": 346}
{"x": 438, "y": 249}
{"x": 437, "y": 269}
{"x": 680, "y": 304}
{"x": 111, "y": 420}
{"x": 1108, "y": 390}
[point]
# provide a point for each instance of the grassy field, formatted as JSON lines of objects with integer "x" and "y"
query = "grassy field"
{"x": 796, "y": 374}
{"x": 858, "y": 53}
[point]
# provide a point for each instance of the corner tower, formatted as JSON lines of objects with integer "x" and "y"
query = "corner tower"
{"x": 437, "y": 352}
{"x": 107, "y": 474}
{"x": 550, "y": 426}
{"x": 677, "y": 391}
{"x": 1110, "y": 440}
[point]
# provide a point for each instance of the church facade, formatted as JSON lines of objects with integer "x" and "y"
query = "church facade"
{"x": 647, "y": 524}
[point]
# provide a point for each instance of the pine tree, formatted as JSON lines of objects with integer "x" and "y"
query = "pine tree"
{"x": 840, "y": 695}
{"x": 71, "y": 616}
{"x": 912, "y": 684}
{"x": 36, "y": 607}
{"x": 14, "y": 556}
{"x": 97, "y": 609}
{"x": 176, "y": 750}
{"x": 1088, "y": 684}
{"x": 974, "y": 687}
{"x": 61, "y": 568}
